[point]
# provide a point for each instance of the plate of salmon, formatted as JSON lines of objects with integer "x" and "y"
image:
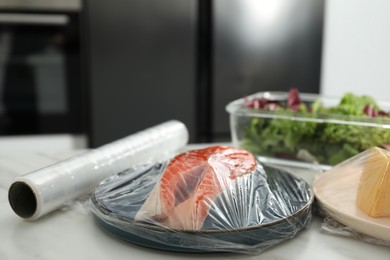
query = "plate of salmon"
{"x": 216, "y": 199}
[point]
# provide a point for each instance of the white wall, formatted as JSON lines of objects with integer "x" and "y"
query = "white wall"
{"x": 356, "y": 54}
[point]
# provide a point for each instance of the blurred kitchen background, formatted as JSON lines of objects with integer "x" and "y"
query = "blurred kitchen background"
{"x": 87, "y": 72}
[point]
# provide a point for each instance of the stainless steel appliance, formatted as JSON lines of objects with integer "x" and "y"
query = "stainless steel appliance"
{"x": 141, "y": 65}
{"x": 263, "y": 45}
{"x": 151, "y": 60}
{"x": 40, "y": 67}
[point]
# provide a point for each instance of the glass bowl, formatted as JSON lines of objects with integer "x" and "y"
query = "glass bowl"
{"x": 305, "y": 138}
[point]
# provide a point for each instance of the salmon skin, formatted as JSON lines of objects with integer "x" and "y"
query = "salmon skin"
{"x": 190, "y": 183}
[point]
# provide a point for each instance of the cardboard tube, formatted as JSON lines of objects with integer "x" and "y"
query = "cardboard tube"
{"x": 37, "y": 193}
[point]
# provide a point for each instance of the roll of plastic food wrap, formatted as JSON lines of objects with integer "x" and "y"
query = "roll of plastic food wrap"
{"x": 40, "y": 192}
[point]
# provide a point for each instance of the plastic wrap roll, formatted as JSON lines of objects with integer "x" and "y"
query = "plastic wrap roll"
{"x": 40, "y": 192}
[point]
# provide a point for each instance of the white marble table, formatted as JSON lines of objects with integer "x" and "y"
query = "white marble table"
{"x": 70, "y": 233}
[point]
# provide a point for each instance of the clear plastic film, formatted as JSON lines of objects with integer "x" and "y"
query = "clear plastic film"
{"x": 42, "y": 191}
{"x": 354, "y": 197}
{"x": 217, "y": 199}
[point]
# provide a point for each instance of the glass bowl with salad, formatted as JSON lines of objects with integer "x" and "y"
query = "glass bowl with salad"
{"x": 301, "y": 127}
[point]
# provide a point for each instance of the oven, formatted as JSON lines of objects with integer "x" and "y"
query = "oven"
{"x": 41, "y": 90}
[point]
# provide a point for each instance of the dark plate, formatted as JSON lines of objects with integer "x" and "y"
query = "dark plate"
{"x": 282, "y": 208}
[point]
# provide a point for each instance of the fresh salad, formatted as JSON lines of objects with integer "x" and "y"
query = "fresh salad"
{"x": 322, "y": 142}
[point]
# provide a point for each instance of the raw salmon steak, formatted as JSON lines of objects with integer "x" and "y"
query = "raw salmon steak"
{"x": 189, "y": 184}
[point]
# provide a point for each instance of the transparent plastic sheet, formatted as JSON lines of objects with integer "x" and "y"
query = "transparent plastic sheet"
{"x": 333, "y": 227}
{"x": 337, "y": 192}
{"x": 37, "y": 193}
{"x": 245, "y": 214}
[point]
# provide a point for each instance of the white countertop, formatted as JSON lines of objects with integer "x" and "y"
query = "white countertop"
{"x": 70, "y": 233}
